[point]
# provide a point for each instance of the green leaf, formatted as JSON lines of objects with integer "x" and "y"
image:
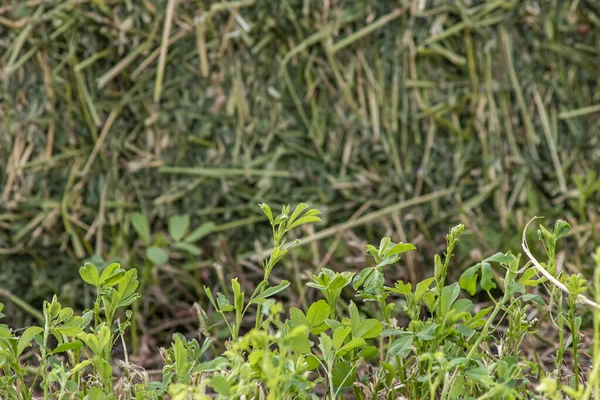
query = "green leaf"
{"x": 487, "y": 277}
{"x": 326, "y": 345}
{"x": 403, "y": 288}
{"x": 369, "y": 352}
{"x": 140, "y": 224}
{"x": 463, "y": 305}
{"x": 428, "y": 332}
{"x": 468, "y": 279}
{"x": 223, "y": 303}
{"x": 210, "y": 297}
{"x": 339, "y": 336}
{"x": 80, "y": 366}
{"x": 273, "y": 290}
{"x": 374, "y": 282}
{"x": 67, "y": 347}
{"x": 343, "y": 377}
{"x": 111, "y": 274}
{"x": 188, "y": 248}
{"x": 212, "y": 365}
{"x": 27, "y": 337}
{"x": 157, "y": 255}
{"x": 313, "y": 362}
{"x": 354, "y": 318}
{"x": 317, "y": 313}
{"x": 220, "y": 385}
{"x": 267, "y": 210}
{"x": 297, "y": 318}
{"x": 401, "y": 346}
{"x": 368, "y": 329}
{"x": 178, "y": 226}
{"x": 478, "y": 375}
{"x": 104, "y": 369}
{"x": 304, "y": 220}
{"x": 360, "y": 278}
{"x": 351, "y": 345}
{"x": 340, "y": 281}
{"x": 465, "y": 331}
{"x": 500, "y": 258}
{"x": 200, "y": 232}
{"x": 449, "y": 294}
{"x": 515, "y": 287}
{"x": 561, "y": 228}
{"x": 300, "y": 345}
{"x": 422, "y": 287}
{"x": 401, "y": 248}
{"x": 537, "y": 298}
{"x": 297, "y": 211}
{"x": 238, "y": 295}
{"x": 526, "y": 280}
{"x": 128, "y": 283}
{"x": 64, "y": 314}
{"x": 104, "y": 338}
{"x": 89, "y": 274}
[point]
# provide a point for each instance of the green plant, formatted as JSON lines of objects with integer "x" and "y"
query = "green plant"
{"x": 446, "y": 348}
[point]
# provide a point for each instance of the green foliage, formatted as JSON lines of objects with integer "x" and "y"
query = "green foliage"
{"x": 447, "y": 349}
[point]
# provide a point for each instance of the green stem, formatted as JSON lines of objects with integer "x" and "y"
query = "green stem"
{"x": 575, "y": 333}
{"x": 561, "y": 340}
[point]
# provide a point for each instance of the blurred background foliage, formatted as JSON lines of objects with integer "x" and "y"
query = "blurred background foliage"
{"x": 393, "y": 118}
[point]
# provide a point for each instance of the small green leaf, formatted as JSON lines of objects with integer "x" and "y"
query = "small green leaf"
{"x": 267, "y": 210}
{"x": 351, "y": 345}
{"x": 526, "y": 280}
{"x": 67, "y": 347}
{"x": 313, "y": 362}
{"x": 500, "y": 258}
{"x": 465, "y": 331}
{"x": 422, "y": 287}
{"x": 188, "y": 248}
{"x": 89, "y": 274}
{"x": 360, "y": 278}
{"x": 478, "y": 375}
{"x": 468, "y": 279}
{"x": 297, "y": 211}
{"x": 561, "y": 228}
{"x": 111, "y": 274}
{"x": 220, "y": 385}
{"x": 223, "y": 303}
{"x": 537, "y": 298}
{"x": 401, "y": 248}
{"x": 297, "y": 318}
{"x": 317, "y": 313}
{"x": 401, "y": 346}
{"x": 273, "y": 290}
{"x": 374, "y": 282}
{"x": 368, "y": 329}
{"x": 104, "y": 369}
{"x": 449, "y": 295}
{"x": 344, "y": 376}
{"x": 80, "y": 366}
{"x": 27, "y": 337}
{"x": 304, "y": 220}
{"x": 128, "y": 283}
{"x": 140, "y": 224}
{"x": 157, "y": 255}
{"x": 300, "y": 345}
{"x": 212, "y": 365}
{"x": 238, "y": 295}
{"x": 178, "y": 226}
{"x": 428, "y": 332}
{"x": 200, "y": 232}
{"x": 487, "y": 277}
